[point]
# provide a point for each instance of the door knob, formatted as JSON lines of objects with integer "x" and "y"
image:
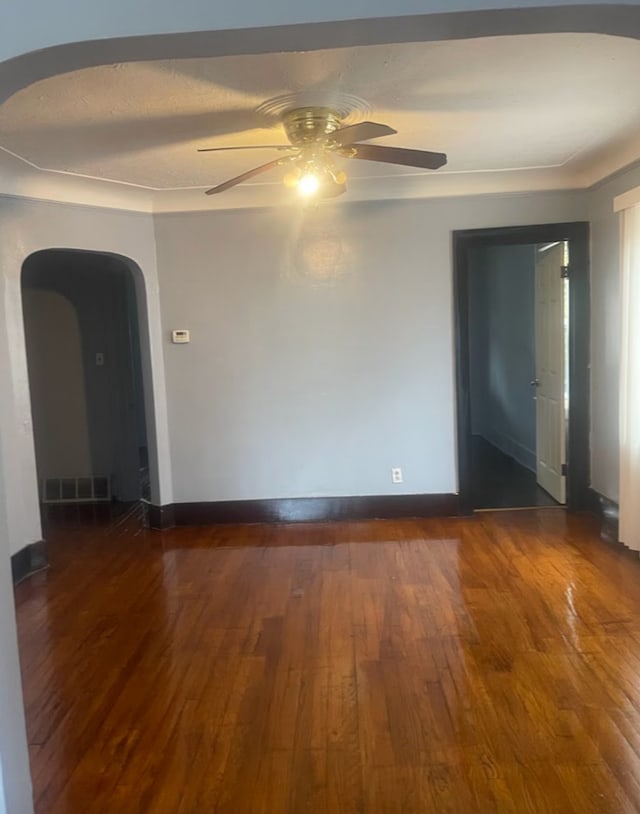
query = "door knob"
{"x": 535, "y": 383}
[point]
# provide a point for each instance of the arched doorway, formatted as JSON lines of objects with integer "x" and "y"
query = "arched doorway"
{"x": 82, "y": 312}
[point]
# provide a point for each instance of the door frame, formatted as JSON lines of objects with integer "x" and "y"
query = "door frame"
{"x": 578, "y": 448}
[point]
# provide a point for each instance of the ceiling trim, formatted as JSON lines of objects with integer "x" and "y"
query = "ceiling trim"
{"x": 72, "y": 190}
{"x": 276, "y": 184}
{"x": 8, "y": 196}
{"x": 22, "y": 178}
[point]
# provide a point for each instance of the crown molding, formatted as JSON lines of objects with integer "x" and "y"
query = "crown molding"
{"x": 25, "y": 181}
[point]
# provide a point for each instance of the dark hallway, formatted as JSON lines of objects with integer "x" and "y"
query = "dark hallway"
{"x": 500, "y": 482}
{"x": 83, "y": 349}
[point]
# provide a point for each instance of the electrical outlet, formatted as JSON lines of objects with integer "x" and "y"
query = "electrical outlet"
{"x": 396, "y": 475}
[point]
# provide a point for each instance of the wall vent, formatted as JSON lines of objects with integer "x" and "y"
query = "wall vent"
{"x": 85, "y": 489}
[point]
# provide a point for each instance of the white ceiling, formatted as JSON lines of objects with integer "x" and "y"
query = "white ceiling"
{"x": 530, "y": 111}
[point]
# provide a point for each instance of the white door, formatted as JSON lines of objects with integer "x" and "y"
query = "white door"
{"x": 550, "y": 372}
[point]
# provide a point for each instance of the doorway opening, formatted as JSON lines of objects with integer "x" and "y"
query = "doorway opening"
{"x": 82, "y": 339}
{"x": 522, "y": 351}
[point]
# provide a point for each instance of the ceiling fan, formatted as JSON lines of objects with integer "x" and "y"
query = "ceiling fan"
{"x": 316, "y": 138}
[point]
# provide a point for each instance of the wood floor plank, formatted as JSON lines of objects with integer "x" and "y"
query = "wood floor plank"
{"x": 487, "y": 665}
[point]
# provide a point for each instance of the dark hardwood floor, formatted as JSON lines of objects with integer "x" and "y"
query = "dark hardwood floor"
{"x": 500, "y": 482}
{"x": 489, "y": 664}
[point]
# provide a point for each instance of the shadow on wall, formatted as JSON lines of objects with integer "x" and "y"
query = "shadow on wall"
{"x": 85, "y": 374}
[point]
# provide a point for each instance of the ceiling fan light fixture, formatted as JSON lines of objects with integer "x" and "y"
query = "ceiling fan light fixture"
{"x": 291, "y": 179}
{"x": 316, "y": 135}
{"x": 308, "y": 183}
{"x": 340, "y": 177}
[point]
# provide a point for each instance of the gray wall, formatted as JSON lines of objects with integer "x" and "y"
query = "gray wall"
{"x": 347, "y": 376}
{"x": 14, "y": 758}
{"x": 26, "y": 227}
{"x": 605, "y": 329}
{"x": 322, "y": 344}
{"x": 502, "y": 348}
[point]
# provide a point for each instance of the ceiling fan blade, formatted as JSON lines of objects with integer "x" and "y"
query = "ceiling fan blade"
{"x": 244, "y": 177}
{"x": 362, "y": 131}
{"x": 250, "y": 147}
{"x": 397, "y": 155}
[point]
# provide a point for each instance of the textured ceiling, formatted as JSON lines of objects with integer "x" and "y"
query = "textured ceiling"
{"x": 493, "y": 104}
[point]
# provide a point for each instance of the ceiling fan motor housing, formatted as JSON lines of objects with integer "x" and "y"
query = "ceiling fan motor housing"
{"x": 307, "y": 125}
